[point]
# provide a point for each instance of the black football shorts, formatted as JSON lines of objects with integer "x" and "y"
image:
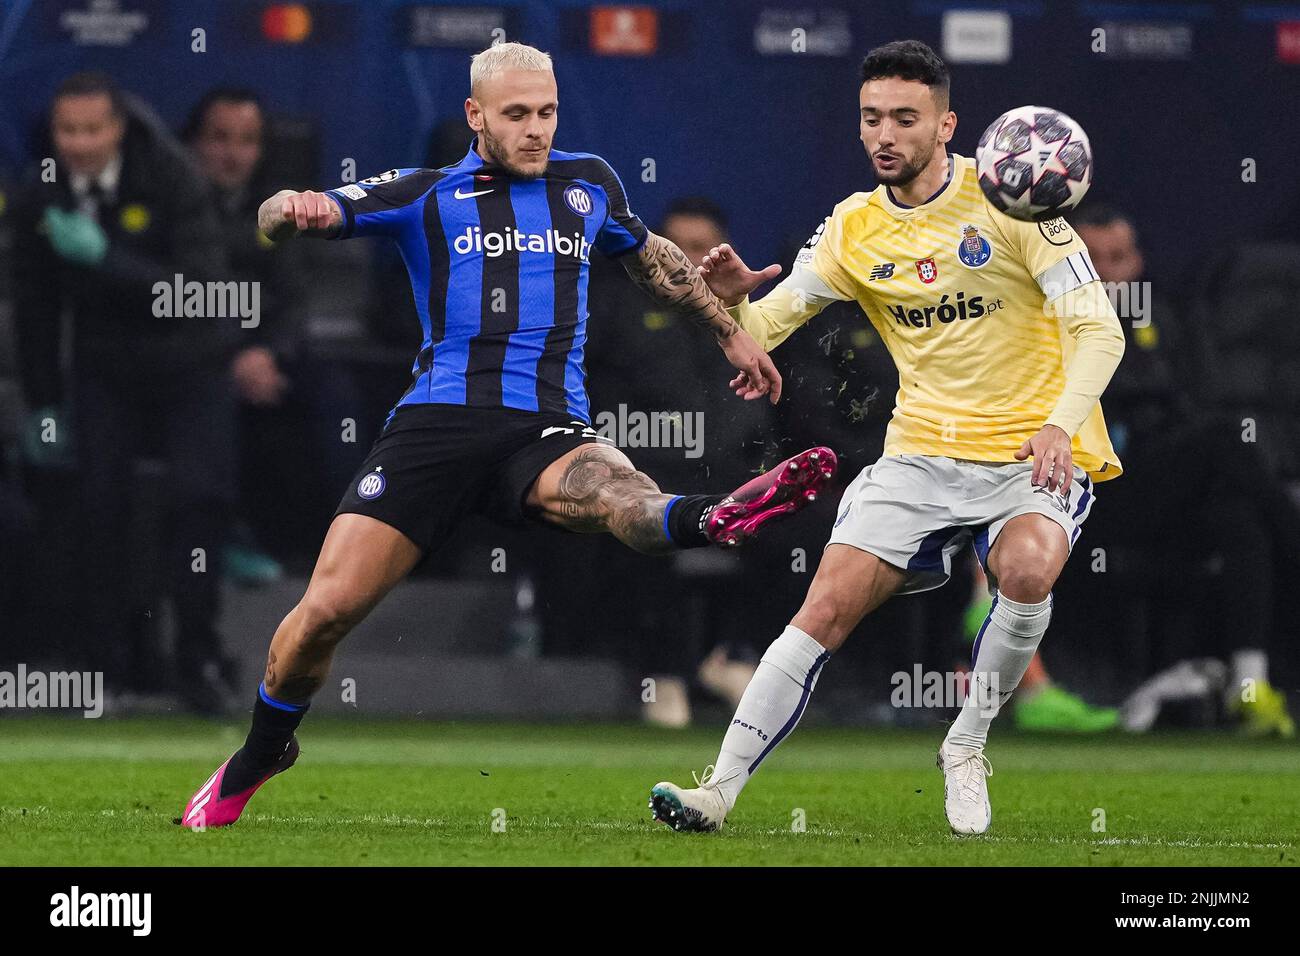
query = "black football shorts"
{"x": 433, "y": 464}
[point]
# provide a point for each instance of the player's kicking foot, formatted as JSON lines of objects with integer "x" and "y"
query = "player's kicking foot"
{"x": 699, "y": 809}
{"x": 212, "y": 808}
{"x": 783, "y": 490}
{"x": 965, "y": 789}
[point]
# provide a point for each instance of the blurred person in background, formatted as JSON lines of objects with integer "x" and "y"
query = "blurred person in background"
{"x": 119, "y": 210}
{"x": 276, "y": 384}
{"x": 1245, "y": 526}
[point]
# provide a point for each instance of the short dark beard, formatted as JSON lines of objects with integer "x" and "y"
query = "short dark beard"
{"x": 907, "y": 172}
{"x": 492, "y": 146}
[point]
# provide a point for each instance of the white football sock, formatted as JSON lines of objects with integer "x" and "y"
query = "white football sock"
{"x": 1248, "y": 665}
{"x": 1005, "y": 646}
{"x": 771, "y": 706}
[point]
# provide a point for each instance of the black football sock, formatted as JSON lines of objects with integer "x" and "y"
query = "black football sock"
{"x": 274, "y": 722}
{"x": 684, "y": 519}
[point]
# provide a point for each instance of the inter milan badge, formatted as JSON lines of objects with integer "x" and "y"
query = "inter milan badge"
{"x": 927, "y": 270}
{"x": 372, "y": 485}
{"x": 974, "y": 251}
{"x": 578, "y": 199}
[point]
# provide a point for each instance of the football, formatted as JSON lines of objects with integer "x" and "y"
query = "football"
{"x": 1034, "y": 163}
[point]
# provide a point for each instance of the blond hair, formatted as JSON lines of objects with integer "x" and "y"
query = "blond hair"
{"x": 506, "y": 56}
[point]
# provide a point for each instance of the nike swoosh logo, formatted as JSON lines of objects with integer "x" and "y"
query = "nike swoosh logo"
{"x": 461, "y": 195}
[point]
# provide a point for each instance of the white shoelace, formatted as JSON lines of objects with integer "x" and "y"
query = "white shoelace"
{"x": 705, "y": 780}
{"x": 968, "y": 768}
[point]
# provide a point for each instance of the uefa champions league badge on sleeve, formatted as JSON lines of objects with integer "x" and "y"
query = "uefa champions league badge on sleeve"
{"x": 372, "y": 485}
{"x": 974, "y": 250}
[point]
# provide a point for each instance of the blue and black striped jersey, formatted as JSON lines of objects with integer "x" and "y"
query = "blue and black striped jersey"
{"x": 499, "y": 267}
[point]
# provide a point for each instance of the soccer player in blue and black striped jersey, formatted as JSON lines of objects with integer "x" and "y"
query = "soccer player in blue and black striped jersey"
{"x": 496, "y": 417}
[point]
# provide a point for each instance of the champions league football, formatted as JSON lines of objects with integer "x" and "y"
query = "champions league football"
{"x": 1034, "y": 163}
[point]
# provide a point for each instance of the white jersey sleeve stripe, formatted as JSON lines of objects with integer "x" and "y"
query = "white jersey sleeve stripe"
{"x": 1068, "y": 274}
{"x": 807, "y": 285}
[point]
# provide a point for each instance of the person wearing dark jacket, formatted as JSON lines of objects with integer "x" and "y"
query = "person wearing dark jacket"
{"x": 283, "y": 423}
{"x": 1225, "y": 535}
{"x": 113, "y": 359}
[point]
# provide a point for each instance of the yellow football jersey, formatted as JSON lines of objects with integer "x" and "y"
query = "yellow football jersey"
{"x": 960, "y": 294}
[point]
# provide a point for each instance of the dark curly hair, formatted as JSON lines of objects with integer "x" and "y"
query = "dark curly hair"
{"x": 909, "y": 60}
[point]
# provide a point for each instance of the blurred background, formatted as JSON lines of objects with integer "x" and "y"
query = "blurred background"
{"x": 123, "y": 446}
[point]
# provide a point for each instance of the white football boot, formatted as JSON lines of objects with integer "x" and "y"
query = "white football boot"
{"x": 700, "y": 809}
{"x": 965, "y": 790}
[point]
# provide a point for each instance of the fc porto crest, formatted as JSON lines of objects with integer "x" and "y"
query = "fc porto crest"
{"x": 372, "y": 485}
{"x": 578, "y": 199}
{"x": 974, "y": 250}
{"x": 927, "y": 270}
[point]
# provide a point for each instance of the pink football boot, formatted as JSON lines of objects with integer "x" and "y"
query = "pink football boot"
{"x": 781, "y": 491}
{"x": 209, "y": 808}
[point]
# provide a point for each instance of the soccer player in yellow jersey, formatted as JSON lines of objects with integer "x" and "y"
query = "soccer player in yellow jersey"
{"x": 1004, "y": 340}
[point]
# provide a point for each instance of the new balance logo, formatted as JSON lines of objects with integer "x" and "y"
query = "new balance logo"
{"x": 460, "y": 195}
{"x": 883, "y": 271}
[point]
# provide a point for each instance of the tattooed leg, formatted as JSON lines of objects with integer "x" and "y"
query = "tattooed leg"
{"x": 595, "y": 488}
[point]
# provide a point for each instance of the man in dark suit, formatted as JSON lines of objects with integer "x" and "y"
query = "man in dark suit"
{"x": 103, "y": 235}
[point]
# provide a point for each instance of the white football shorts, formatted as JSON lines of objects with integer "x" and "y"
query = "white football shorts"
{"x": 917, "y": 512}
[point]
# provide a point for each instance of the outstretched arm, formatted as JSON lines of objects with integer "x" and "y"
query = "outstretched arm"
{"x": 771, "y": 319}
{"x": 664, "y": 272}
{"x": 290, "y": 213}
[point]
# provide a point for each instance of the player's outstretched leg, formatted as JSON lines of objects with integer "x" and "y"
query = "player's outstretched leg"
{"x": 849, "y": 584}
{"x": 1025, "y": 560}
{"x": 595, "y": 488}
{"x": 361, "y": 560}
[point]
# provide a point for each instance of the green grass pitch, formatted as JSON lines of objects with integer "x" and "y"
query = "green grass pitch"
{"x": 89, "y": 792}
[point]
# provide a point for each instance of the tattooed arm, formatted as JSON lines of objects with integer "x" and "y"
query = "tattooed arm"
{"x": 664, "y": 272}
{"x": 289, "y": 213}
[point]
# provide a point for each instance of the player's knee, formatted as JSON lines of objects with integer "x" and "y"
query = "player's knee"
{"x": 1027, "y": 578}
{"x": 324, "y": 619}
{"x": 823, "y": 619}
